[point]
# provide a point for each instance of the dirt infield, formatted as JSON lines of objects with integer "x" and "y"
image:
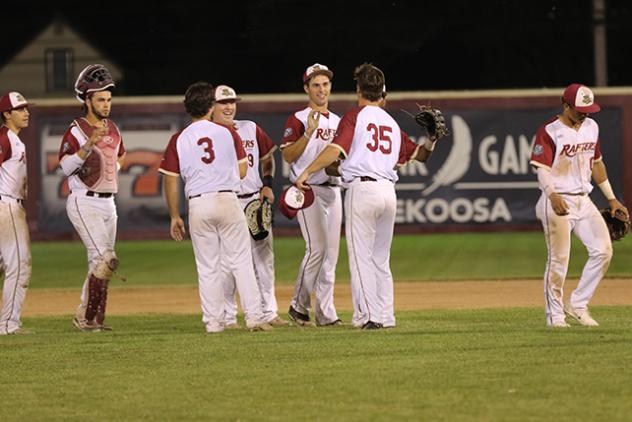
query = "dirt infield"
{"x": 408, "y": 296}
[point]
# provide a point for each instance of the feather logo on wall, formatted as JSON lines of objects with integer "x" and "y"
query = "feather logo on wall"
{"x": 458, "y": 161}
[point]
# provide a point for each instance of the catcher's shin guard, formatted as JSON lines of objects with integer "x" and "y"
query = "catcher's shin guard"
{"x": 100, "y": 317}
{"x": 96, "y": 289}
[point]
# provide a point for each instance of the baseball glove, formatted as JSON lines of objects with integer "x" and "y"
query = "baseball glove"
{"x": 90, "y": 171}
{"x": 618, "y": 226}
{"x": 259, "y": 218}
{"x": 432, "y": 120}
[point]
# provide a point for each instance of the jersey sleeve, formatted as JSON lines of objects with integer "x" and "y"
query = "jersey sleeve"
{"x": 170, "y": 163}
{"x": 5, "y": 148}
{"x": 294, "y": 129}
{"x": 408, "y": 149}
{"x": 597, "y": 156}
{"x": 121, "y": 149}
{"x": 543, "y": 152}
{"x": 265, "y": 144}
{"x": 239, "y": 145}
{"x": 69, "y": 144}
{"x": 344, "y": 134}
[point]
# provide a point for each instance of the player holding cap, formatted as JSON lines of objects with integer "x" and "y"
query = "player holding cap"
{"x": 15, "y": 248}
{"x": 371, "y": 145}
{"x": 91, "y": 154}
{"x": 211, "y": 160}
{"x": 259, "y": 149}
{"x": 307, "y": 133}
{"x": 566, "y": 154}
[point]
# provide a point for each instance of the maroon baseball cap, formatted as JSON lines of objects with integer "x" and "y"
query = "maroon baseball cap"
{"x": 13, "y": 100}
{"x": 293, "y": 199}
{"x": 317, "y": 69}
{"x": 581, "y": 98}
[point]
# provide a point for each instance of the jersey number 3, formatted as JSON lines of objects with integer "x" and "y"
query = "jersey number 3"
{"x": 210, "y": 154}
{"x": 381, "y": 139}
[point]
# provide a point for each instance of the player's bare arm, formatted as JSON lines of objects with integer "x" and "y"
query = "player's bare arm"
{"x": 293, "y": 152}
{"x": 121, "y": 160}
{"x": 267, "y": 170}
{"x": 243, "y": 169}
{"x": 325, "y": 158}
{"x": 600, "y": 176}
{"x": 171, "y": 188}
{"x": 96, "y": 136}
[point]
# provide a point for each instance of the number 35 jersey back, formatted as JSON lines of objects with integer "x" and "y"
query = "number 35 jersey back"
{"x": 372, "y": 144}
{"x": 206, "y": 155}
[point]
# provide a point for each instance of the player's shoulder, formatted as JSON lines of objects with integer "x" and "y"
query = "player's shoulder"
{"x": 302, "y": 114}
{"x": 245, "y": 125}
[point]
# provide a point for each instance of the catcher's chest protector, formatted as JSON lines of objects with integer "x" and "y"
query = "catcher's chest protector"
{"x": 106, "y": 150}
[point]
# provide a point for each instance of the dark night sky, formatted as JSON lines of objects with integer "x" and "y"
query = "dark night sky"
{"x": 264, "y": 46}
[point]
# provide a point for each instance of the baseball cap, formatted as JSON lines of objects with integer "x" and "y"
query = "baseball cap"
{"x": 293, "y": 199}
{"x": 581, "y": 98}
{"x": 12, "y": 101}
{"x": 317, "y": 69}
{"x": 225, "y": 93}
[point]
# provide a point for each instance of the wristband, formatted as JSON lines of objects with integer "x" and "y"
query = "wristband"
{"x": 607, "y": 190}
{"x": 267, "y": 180}
{"x": 429, "y": 145}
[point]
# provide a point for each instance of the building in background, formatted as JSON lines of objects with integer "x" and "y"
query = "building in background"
{"x": 48, "y": 65}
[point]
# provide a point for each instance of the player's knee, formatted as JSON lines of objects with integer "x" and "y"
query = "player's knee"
{"x": 105, "y": 266}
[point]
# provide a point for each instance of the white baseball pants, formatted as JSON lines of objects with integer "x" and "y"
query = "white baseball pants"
{"x": 94, "y": 220}
{"x": 263, "y": 261}
{"x": 589, "y": 226}
{"x": 370, "y": 209}
{"x": 220, "y": 237}
{"x": 320, "y": 225}
{"x": 15, "y": 260}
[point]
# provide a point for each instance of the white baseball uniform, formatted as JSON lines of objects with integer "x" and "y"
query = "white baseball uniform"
{"x": 206, "y": 156}
{"x": 569, "y": 155}
{"x": 372, "y": 145}
{"x": 320, "y": 223}
{"x": 91, "y": 209}
{"x": 15, "y": 251}
{"x": 258, "y": 147}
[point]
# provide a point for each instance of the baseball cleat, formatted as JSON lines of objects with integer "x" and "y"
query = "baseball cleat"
{"x": 104, "y": 327}
{"x": 277, "y": 321}
{"x": 232, "y": 326}
{"x": 299, "y": 318}
{"x": 582, "y": 316}
{"x": 370, "y": 325}
{"x": 261, "y": 327}
{"x": 335, "y": 323}
{"x": 21, "y": 331}
{"x": 86, "y": 326}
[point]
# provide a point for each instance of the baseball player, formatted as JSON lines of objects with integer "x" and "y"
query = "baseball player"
{"x": 91, "y": 154}
{"x": 15, "y": 248}
{"x": 211, "y": 160}
{"x": 259, "y": 149}
{"x": 566, "y": 154}
{"x": 371, "y": 145}
{"x": 307, "y": 133}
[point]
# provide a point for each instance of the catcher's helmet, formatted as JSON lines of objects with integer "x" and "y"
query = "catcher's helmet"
{"x": 93, "y": 78}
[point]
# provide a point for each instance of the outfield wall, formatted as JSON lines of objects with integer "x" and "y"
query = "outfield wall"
{"x": 478, "y": 178}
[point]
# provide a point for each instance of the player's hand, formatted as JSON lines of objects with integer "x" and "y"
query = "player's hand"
{"x": 301, "y": 182}
{"x": 559, "y": 204}
{"x": 267, "y": 192}
{"x": 177, "y": 229}
{"x": 617, "y": 206}
{"x": 312, "y": 122}
{"x": 96, "y": 136}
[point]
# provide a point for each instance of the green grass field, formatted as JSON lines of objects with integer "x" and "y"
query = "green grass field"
{"x": 463, "y": 256}
{"x": 437, "y": 365}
